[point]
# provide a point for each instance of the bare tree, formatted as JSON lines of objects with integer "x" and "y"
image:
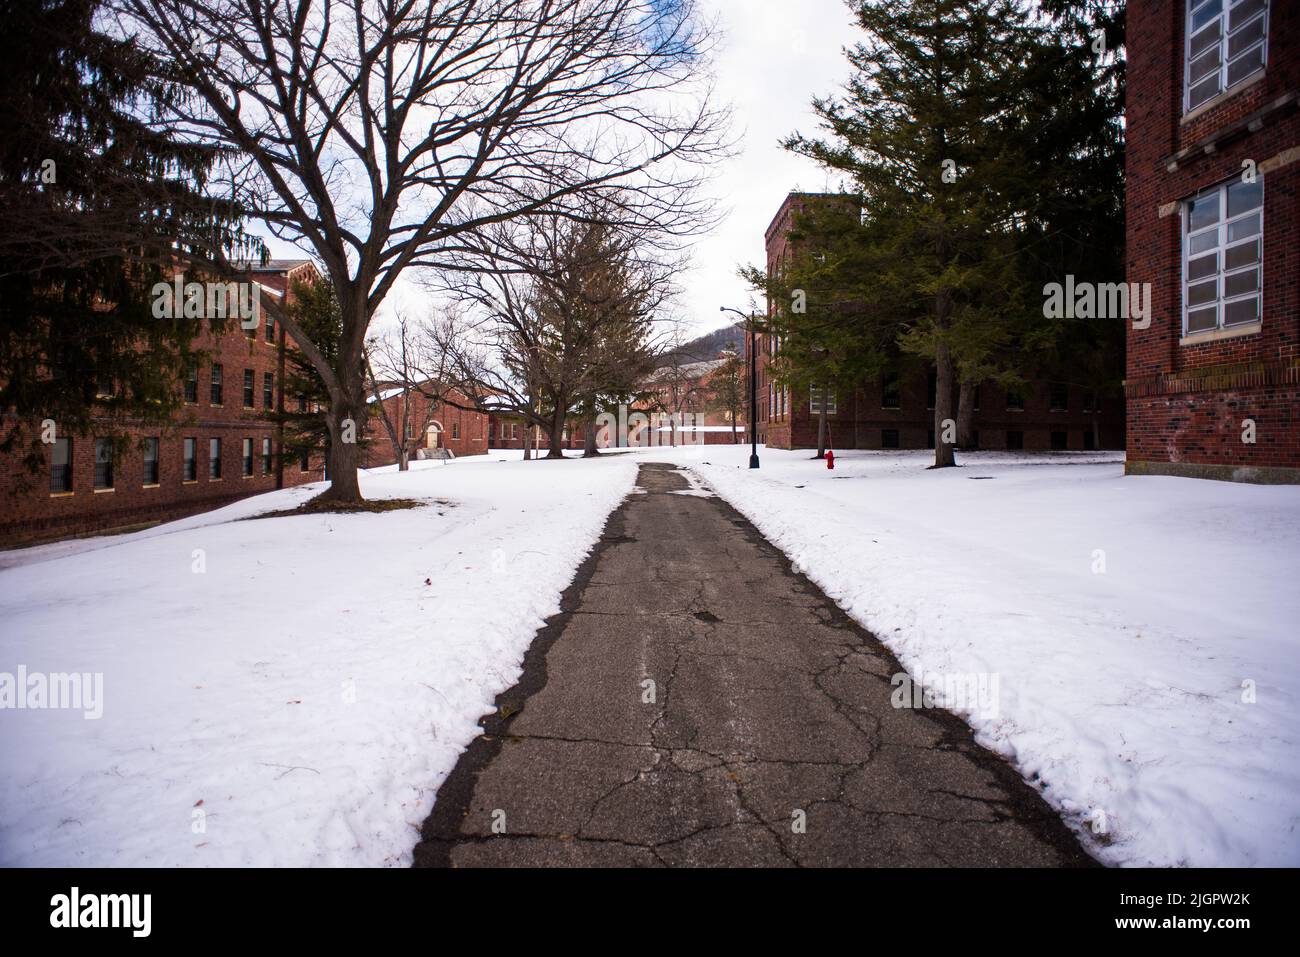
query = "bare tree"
{"x": 676, "y": 382}
{"x": 563, "y": 329}
{"x": 385, "y": 134}
{"x": 728, "y": 388}
{"x": 407, "y": 371}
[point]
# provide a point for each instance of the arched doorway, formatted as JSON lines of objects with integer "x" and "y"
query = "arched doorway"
{"x": 433, "y": 436}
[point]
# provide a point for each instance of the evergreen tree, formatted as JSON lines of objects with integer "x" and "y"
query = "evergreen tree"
{"x": 305, "y": 429}
{"x": 922, "y": 132}
{"x": 97, "y": 208}
{"x": 986, "y": 146}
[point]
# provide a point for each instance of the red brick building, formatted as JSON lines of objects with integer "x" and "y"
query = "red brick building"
{"x": 218, "y": 449}
{"x": 442, "y": 427}
{"x": 687, "y": 389}
{"x": 508, "y": 431}
{"x": 1213, "y": 169}
{"x": 899, "y": 412}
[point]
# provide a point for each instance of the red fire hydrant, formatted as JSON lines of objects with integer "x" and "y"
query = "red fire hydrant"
{"x": 830, "y": 459}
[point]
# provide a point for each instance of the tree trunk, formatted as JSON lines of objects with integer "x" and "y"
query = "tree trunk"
{"x": 556, "y": 434}
{"x": 821, "y": 428}
{"x": 403, "y": 459}
{"x": 343, "y": 458}
{"x": 966, "y": 416}
{"x": 943, "y": 411}
{"x": 1096, "y": 428}
{"x": 589, "y": 449}
{"x": 528, "y": 441}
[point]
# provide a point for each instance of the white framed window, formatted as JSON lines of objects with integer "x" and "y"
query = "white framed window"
{"x": 1223, "y": 239}
{"x": 815, "y": 401}
{"x": 1227, "y": 42}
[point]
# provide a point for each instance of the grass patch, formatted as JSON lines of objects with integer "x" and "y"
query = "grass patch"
{"x": 317, "y": 507}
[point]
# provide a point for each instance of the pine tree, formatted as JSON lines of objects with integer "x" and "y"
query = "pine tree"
{"x": 922, "y": 133}
{"x": 987, "y": 148}
{"x": 304, "y": 426}
{"x": 97, "y": 208}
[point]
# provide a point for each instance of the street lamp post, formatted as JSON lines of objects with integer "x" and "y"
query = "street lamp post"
{"x": 753, "y": 385}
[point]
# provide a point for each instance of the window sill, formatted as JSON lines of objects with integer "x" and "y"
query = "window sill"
{"x": 210, "y": 479}
{"x": 1240, "y": 87}
{"x": 101, "y": 491}
{"x": 62, "y": 494}
{"x": 151, "y": 485}
{"x": 1217, "y": 335}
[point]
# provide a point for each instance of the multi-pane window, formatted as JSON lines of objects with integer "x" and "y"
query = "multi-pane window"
{"x": 1090, "y": 402}
{"x": 266, "y": 456}
{"x": 268, "y": 389}
{"x": 248, "y": 458}
{"x": 248, "y": 388}
{"x": 815, "y": 401}
{"x": 1226, "y": 43}
{"x": 304, "y": 462}
{"x": 1060, "y": 397}
{"x": 103, "y": 463}
{"x": 1222, "y": 239}
{"x": 192, "y": 383}
{"x": 189, "y": 468}
{"x": 214, "y": 459}
{"x": 1060, "y": 441}
{"x": 270, "y": 328}
{"x": 1015, "y": 400}
{"x": 891, "y": 396}
{"x": 215, "y": 389}
{"x": 889, "y": 438}
{"x": 61, "y": 466}
{"x": 455, "y": 430}
{"x": 150, "y": 461}
{"x": 1015, "y": 440}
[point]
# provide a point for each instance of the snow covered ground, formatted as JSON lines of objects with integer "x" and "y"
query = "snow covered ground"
{"x": 1143, "y": 629}
{"x": 299, "y": 699}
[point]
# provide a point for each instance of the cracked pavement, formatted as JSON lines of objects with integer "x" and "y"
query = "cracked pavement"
{"x": 769, "y": 705}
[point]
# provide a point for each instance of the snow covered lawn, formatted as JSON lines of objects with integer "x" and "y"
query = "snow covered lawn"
{"x": 299, "y": 699}
{"x": 1126, "y": 618}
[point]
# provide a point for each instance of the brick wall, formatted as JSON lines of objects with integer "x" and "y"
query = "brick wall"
{"x": 464, "y": 433}
{"x": 29, "y": 511}
{"x": 33, "y": 513}
{"x": 1188, "y": 396}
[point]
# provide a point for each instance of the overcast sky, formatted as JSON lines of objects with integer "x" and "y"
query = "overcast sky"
{"x": 775, "y": 56}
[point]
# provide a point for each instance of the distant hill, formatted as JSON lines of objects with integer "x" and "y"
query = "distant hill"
{"x": 707, "y": 346}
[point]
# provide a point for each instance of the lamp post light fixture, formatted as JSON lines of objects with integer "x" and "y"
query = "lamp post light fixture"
{"x": 753, "y": 385}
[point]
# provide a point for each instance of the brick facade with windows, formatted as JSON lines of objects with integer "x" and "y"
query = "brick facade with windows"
{"x": 899, "y": 413}
{"x": 1213, "y": 95}
{"x": 507, "y": 432}
{"x": 155, "y": 480}
{"x": 464, "y": 433}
